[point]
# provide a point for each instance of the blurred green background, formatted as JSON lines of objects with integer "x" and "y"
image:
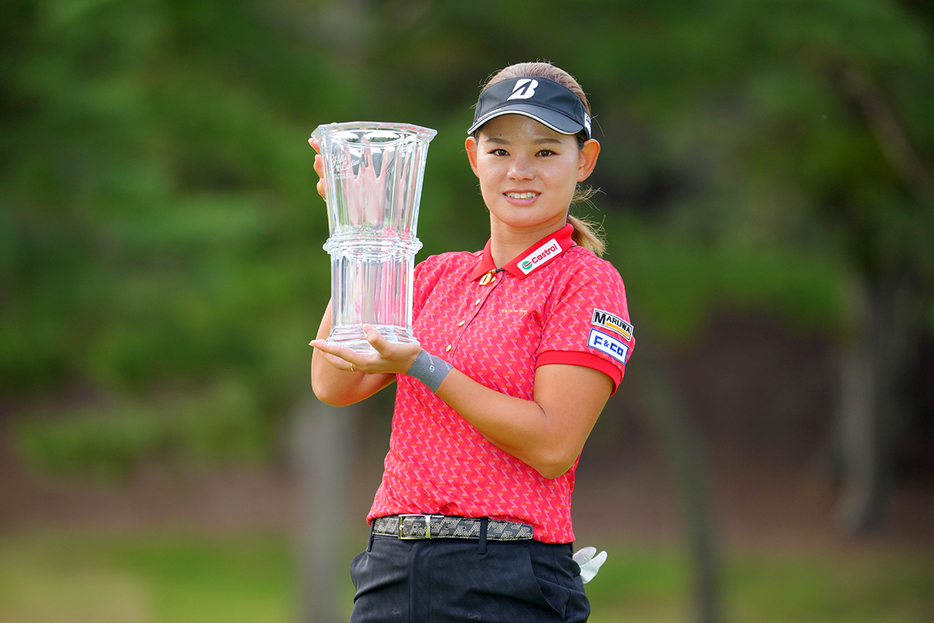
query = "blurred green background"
{"x": 767, "y": 192}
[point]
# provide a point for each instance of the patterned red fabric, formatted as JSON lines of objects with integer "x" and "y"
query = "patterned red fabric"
{"x": 498, "y": 328}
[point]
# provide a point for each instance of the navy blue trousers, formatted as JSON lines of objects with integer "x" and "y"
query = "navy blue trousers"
{"x": 455, "y": 580}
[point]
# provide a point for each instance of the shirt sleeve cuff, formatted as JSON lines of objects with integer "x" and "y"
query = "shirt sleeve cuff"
{"x": 588, "y": 360}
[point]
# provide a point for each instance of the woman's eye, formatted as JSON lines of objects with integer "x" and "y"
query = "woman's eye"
{"x": 499, "y": 152}
{"x": 546, "y": 152}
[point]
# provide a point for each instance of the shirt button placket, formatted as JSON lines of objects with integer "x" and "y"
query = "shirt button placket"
{"x": 490, "y": 280}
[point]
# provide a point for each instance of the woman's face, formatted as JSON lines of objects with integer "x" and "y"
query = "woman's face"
{"x": 528, "y": 172}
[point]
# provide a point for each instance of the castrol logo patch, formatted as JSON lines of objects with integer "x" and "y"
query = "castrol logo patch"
{"x": 539, "y": 256}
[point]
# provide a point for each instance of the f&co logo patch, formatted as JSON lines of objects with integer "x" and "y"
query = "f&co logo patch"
{"x": 539, "y": 256}
{"x": 612, "y": 322}
{"x": 609, "y": 345}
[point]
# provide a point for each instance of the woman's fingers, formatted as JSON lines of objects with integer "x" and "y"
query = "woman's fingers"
{"x": 375, "y": 338}
{"x": 319, "y": 168}
{"x": 398, "y": 357}
{"x": 340, "y": 357}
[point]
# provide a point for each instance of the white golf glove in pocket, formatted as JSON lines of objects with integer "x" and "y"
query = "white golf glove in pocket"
{"x": 589, "y": 561}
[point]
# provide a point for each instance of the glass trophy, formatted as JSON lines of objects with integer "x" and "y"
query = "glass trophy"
{"x": 373, "y": 179}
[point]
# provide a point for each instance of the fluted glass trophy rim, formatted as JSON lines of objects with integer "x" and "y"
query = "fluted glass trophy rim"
{"x": 421, "y": 132}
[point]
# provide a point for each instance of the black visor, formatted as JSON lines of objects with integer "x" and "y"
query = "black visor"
{"x": 544, "y": 100}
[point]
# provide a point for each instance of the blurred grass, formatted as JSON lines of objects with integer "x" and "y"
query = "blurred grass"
{"x": 68, "y": 578}
{"x": 652, "y": 585}
{"x": 176, "y": 578}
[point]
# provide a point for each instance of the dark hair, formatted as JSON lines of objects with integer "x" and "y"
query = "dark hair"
{"x": 586, "y": 233}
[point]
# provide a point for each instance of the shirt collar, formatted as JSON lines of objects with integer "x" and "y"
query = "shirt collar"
{"x": 530, "y": 260}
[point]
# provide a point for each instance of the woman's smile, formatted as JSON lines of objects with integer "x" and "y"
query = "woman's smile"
{"x": 522, "y": 198}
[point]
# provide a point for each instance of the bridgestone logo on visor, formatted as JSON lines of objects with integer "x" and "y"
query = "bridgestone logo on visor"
{"x": 539, "y": 256}
{"x": 524, "y": 89}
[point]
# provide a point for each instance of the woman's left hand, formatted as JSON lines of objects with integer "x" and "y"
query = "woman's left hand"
{"x": 389, "y": 358}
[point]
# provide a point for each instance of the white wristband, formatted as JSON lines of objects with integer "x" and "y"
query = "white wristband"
{"x": 429, "y": 370}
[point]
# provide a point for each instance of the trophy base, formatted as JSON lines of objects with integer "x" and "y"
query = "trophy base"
{"x": 354, "y": 338}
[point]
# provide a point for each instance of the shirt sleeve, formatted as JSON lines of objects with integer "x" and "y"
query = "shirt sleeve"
{"x": 587, "y": 322}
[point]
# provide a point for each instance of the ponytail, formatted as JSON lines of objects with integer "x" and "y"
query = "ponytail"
{"x": 588, "y": 234}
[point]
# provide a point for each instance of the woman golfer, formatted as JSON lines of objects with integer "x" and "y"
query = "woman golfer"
{"x": 521, "y": 345}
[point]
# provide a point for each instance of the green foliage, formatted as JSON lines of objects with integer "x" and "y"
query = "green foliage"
{"x": 677, "y": 282}
{"x": 219, "y": 425}
{"x": 159, "y": 226}
{"x": 145, "y": 192}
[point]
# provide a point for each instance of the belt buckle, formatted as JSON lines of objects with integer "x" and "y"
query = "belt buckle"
{"x": 425, "y": 517}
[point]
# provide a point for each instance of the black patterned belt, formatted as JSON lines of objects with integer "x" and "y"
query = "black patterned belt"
{"x": 447, "y": 527}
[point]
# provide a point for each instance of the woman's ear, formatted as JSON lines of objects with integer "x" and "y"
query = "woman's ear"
{"x": 588, "y": 159}
{"x": 471, "y": 145}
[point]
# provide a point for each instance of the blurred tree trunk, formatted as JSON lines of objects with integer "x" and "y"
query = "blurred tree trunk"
{"x": 875, "y": 366}
{"x": 323, "y": 457}
{"x": 887, "y": 321}
{"x": 672, "y": 421}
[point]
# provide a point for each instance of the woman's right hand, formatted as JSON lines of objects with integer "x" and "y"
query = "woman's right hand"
{"x": 319, "y": 167}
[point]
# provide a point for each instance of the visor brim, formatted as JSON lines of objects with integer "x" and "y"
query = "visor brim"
{"x": 558, "y": 122}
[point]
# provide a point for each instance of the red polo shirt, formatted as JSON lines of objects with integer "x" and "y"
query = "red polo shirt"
{"x": 556, "y": 303}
